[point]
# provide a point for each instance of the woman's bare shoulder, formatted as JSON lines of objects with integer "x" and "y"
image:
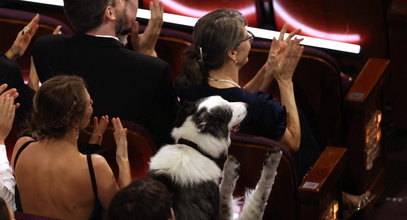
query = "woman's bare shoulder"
{"x": 19, "y": 143}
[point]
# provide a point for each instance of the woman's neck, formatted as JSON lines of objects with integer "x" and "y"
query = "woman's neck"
{"x": 69, "y": 139}
{"x": 224, "y": 77}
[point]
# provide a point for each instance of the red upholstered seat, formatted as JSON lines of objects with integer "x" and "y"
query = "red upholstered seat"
{"x": 140, "y": 148}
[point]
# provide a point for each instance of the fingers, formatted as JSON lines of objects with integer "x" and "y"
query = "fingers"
{"x": 31, "y": 27}
{"x": 95, "y": 125}
{"x": 282, "y": 32}
{"x": 292, "y": 34}
{"x": 117, "y": 124}
{"x": 7, "y": 113}
{"x": 104, "y": 121}
{"x": 12, "y": 92}
{"x": 3, "y": 87}
{"x": 57, "y": 30}
{"x": 157, "y": 9}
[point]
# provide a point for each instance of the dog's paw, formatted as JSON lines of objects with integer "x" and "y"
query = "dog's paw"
{"x": 231, "y": 168}
{"x": 272, "y": 157}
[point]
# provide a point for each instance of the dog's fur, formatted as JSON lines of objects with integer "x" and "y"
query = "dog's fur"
{"x": 189, "y": 168}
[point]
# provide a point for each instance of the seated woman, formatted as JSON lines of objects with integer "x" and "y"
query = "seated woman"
{"x": 221, "y": 45}
{"x": 53, "y": 178}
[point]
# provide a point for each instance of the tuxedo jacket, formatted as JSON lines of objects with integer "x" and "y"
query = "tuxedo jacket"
{"x": 10, "y": 73}
{"x": 121, "y": 82}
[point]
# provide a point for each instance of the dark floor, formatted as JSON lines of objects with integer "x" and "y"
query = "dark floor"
{"x": 394, "y": 203}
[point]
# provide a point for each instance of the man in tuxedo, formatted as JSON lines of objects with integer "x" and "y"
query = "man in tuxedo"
{"x": 122, "y": 82}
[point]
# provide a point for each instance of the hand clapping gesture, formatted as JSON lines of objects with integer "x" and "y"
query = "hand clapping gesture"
{"x": 7, "y": 111}
{"x": 23, "y": 39}
{"x": 99, "y": 128}
{"x": 284, "y": 55}
{"x": 122, "y": 158}
{"x": 145, "y": 43}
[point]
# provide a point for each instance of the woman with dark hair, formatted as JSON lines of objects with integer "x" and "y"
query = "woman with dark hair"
{"x": 221, "y": 45}
{"x": 53, "y": 178}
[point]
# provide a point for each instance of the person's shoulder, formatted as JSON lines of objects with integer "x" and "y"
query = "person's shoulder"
{"x": 99, "y": 162}
{"x": 55, "y": 38}
{"x": 50, "y": 42}
{"x": 145, "y": 60}
{"x": 7, "y": 65}
{"x": 20, "y": 142}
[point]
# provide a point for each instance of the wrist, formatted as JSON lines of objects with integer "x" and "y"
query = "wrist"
{"x": 10, "y": 55}
{"x": 284, "y": 82}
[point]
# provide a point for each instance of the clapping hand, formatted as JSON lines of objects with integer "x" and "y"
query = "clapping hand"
{"x": 7, "y": 112}
{"x": 12, "y": 92}
{"x": 145, "y": 43}
{"x": 284, "y": 55}
{"x": 23, "y": 39}
{"x": 120, "y": 137}
{"x": 99, "y": 128}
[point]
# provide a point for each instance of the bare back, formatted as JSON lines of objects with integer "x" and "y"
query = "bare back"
{"x": 54, "y": 181}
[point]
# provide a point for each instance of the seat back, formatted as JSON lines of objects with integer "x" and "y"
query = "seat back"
{"x": 27, "y": 216}
{"x": 317, "y": 87}
{"x": 170, "y": 47}
{"x": 141, "y": 147}
{"x": 250, "y": 151}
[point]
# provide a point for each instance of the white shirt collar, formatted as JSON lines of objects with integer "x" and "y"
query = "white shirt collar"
{"x": 107, "y": 36}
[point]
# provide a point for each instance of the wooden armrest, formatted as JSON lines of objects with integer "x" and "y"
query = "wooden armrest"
{"x": 321, "y": 185}
{"x": 328, "y": 167}
{"x": 369, "y": 79}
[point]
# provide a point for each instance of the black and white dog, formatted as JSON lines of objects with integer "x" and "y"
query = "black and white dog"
{"x": 190, "y": 168}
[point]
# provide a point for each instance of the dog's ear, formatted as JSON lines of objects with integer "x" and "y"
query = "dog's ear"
{"x": 214, "y": 122}
{"x": 185, "y": 109}
{"x": 200, "y": 118}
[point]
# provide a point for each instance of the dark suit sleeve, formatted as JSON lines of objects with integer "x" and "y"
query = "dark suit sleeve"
{"x": 11, "y": 74}
{"x": 164, "y": 109}
{"x": 40, "y": 50}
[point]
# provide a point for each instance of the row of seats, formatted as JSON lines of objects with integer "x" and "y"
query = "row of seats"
{"x": 340, "y": 111}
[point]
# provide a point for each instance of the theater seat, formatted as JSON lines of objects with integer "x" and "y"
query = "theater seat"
{"x": 341, "y": 111}
{"x": 140, "y": 147}
{"x": 26, "y": 216}
{"x": 170, "y": 47}
{"x": 315, "y": 196}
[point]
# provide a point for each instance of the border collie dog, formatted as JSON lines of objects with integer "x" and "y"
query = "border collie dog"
{"x": 191, "y": 169}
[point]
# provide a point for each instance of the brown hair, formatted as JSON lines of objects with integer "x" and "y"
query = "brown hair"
{"x": 58, "y": 104}
{"x": 214, "y": 34}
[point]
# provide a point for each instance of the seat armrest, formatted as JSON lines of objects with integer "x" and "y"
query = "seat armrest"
{"x": 369, "y": 80}
{"x": 321, "y": 185}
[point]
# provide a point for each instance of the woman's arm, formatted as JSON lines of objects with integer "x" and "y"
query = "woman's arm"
{"x": 122, "y": 159}
{"x": 105, "y": 179}
{"x": 286, "y": 64}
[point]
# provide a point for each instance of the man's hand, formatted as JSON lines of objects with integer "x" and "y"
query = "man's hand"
{"x": 23, "y": 39}
{"x": 145, "y": 43}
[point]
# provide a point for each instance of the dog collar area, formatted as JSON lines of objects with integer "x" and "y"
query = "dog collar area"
{"x": 196, "y": 147}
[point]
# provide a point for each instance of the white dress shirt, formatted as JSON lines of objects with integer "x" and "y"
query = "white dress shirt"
{"x": 7, "y": 181}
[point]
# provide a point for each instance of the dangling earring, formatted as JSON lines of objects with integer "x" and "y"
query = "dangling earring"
{"x": 235, "y": 61}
